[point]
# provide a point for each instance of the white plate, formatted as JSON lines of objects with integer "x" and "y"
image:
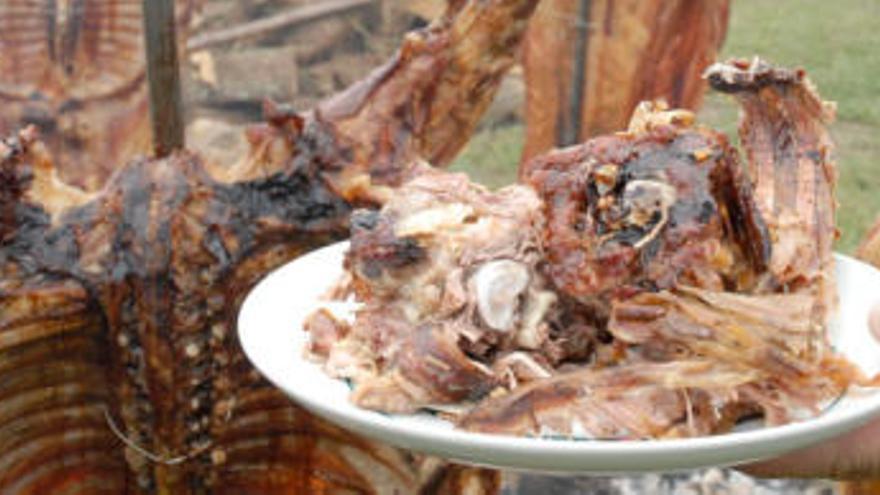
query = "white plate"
{"x": 270, "y": 329}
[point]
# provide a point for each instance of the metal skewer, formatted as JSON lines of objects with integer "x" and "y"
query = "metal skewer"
{"x": 163, "y": 76}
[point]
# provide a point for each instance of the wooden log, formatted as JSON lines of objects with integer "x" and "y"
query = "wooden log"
{"x": 589, "y": 63}
{"x": 284, "y": 19}
{"x": 249, "y": 75}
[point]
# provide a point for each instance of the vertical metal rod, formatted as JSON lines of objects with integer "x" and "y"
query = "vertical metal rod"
{"x": 163, "y": 76}
{"x": 570, "y": 129}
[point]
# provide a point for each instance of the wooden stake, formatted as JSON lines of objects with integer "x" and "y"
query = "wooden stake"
{"x": 163, "y": 76}
{"x": 570, "y": 130}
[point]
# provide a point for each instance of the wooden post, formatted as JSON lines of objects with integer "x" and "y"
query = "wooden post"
{"x": 163, "y": 76}
{"x": 570, "y": 122}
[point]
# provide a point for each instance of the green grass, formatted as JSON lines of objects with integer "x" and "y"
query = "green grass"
{"x": 838, "y": 42}
{"x": 492, "y": 156}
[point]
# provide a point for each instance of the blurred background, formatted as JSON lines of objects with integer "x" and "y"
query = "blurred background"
{"x": 583, "y": 68}
{"x": 236, "y": 53}
{"x": 834, "y": 41}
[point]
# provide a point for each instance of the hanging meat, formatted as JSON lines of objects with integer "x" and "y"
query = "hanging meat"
{"x": 119, "y": 367}
{"x": 588, "y": 63}
{"x": 685, "y": 291}
{"x": 75, "y": 69}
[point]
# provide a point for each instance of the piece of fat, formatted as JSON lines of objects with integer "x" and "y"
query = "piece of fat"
{"x": 431, "y": 220}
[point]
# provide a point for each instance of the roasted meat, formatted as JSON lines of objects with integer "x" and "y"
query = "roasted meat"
{"x": 447, "y": 275}
{"x": 684, "y": 292}
{"x": 705, "y": 354}
{"x": 119, "y": 367}
{"x": 696, "y": 363}
{"x": 783, "y": 132}
{"x": 663, "y": 204}
{"x": 638, "y": 401}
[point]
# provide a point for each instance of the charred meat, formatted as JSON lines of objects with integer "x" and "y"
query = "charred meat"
{"x": 663, "y": 204}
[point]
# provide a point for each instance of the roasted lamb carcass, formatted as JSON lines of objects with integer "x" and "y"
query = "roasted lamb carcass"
{"x": 119, "y": 367}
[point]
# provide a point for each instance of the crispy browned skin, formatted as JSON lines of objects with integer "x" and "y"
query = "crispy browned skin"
{"x": 123, "y": 301}
{"x": 784, "y": 133}
{"x": 75, "y": 69}
{"x": 634, "y": 51}
{"x": 663, "y": 204}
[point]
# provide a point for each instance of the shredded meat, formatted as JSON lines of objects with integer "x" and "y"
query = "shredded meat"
{"x": 644, "y": 400}
{"x": 447, "y": 272}
{"x": 646, "y": 285}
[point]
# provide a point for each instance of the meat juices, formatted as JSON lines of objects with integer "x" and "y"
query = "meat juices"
{"x": 701, "y": 287}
